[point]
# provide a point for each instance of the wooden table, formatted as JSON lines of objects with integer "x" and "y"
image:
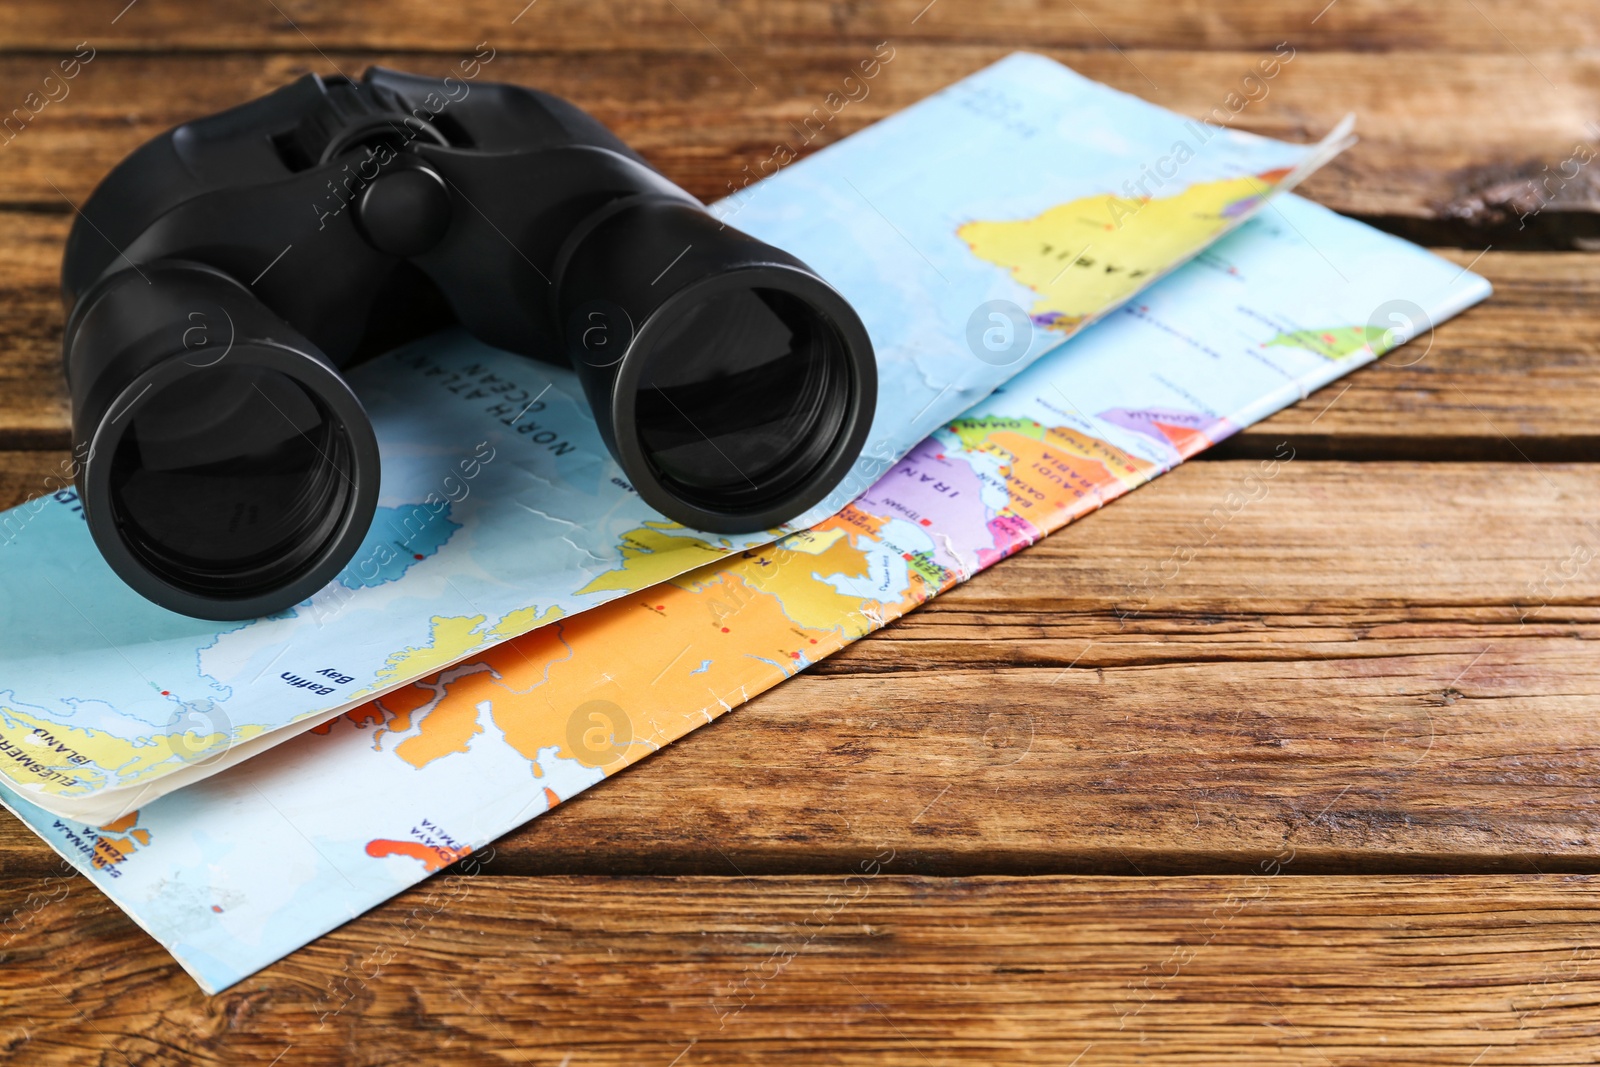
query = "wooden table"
{"x": 1327, "y": 798}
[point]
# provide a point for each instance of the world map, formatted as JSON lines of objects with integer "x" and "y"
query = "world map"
{"x": 232, "y": 872}
{"x": 502, "y": 511}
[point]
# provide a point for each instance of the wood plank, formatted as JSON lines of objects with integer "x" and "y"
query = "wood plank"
{"x": 1517, "y": 377}
{"x": 33, "y": 398}
{"x": 1387, "y": 664}
{"x": 584, "y": 25}
{"x": 1438, "y": 154}
{"x": 879, "y": 969}
{"x": 30, "y": 474}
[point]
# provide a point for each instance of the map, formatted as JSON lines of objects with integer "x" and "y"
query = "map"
{"x": 234, "y": 872}
{"x": 501, "y": 510}
{"x": 1086, "y": 255}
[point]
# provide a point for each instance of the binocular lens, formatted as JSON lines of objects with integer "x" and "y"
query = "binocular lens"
{"x": 225, "y": 487}
{"x": 230, "y": 478}
{"x": 735, "y": 387}
{"x": 739, "y": 398}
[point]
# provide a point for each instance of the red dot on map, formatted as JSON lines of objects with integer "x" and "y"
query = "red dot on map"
{"x": 724, "y": 629}
{"x": 661, "y": 607}
{"x": 939, "y": 456}
{"x": 813, "y": 640}
{"x": 416, "y": 555}
{"x": 927, "y": 522}
{"x": 166, "y": 693}
{"x": 216, "y": 909}
{"x": 907, "y": 555}
{"x": 794, "y": 655}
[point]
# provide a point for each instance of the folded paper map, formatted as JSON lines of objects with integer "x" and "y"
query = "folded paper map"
{"x": 974, "y": 232}
{"x": 236, "y": 871}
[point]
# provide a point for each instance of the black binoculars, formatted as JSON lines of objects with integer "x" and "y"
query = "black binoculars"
{"x": 733, "y": 386}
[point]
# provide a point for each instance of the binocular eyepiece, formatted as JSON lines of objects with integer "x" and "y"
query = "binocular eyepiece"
{"x": 227, "y": 470}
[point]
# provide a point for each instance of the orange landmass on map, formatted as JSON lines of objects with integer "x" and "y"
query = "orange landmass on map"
{"x": 441, "y": 735}
{"x": 433, "y": 857}
{"x": 669, "y": 658}
{"x": 368, "y": 713}
{"x": 365, "y": 714}
{"x": 1186, "y": 439}
{"x": 1051, "y": 476}
{"x": 400, "y": 705}
{"x": 391, "y": 713}
{"x": 116, "y": 841}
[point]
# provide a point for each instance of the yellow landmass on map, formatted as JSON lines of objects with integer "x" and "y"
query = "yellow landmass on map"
{"x": 976, "y": 434}
{"x": 1090, "y": 254}
{"x": 521, "y": 621}
{"x": 450, "y": 638}
{"x": 1336, "y": 342}
{"x": 793, "y": 569}
{"x": 813, "y": 542}
{"x": 113, "y": 760}
{"x": 653, "y": 553}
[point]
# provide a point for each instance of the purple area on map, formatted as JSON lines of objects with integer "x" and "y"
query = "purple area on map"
{"x": 1011, "y": 533}
{"x": 1241, "y": 206}
{"x": 1144, "y": 421}
{"x": 941, "y": 493}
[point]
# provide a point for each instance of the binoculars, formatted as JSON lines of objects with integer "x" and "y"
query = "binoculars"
{"x": 333, "y": 219}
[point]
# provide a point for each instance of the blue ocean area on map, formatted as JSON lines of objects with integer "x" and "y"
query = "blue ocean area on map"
{"x": 400, "y": 537}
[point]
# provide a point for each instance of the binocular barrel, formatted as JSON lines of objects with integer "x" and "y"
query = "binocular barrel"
{"x": 226, "y": 479}
{"x": 228, "y": 471}
{"x": 727, "y": 378}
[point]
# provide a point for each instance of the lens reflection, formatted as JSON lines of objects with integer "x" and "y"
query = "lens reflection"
{"x": 741, "y": 397}
{"x": 230, "y": 477}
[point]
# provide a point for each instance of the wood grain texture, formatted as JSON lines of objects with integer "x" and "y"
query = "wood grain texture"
{"x": 1298, "y": 769}
{"x": 879, "y": 968}
{"x": 1497, "y": 26}
{"x": 1387, "y": 666}
{"x": 1439, "y": 149}
{"x": 1515, "y": 378}
{"x": 34, "y": 412}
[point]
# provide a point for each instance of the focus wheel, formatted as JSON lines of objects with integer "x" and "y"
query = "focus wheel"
{"x": 354, "y": 117}
{"x": 405, "y": 212}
